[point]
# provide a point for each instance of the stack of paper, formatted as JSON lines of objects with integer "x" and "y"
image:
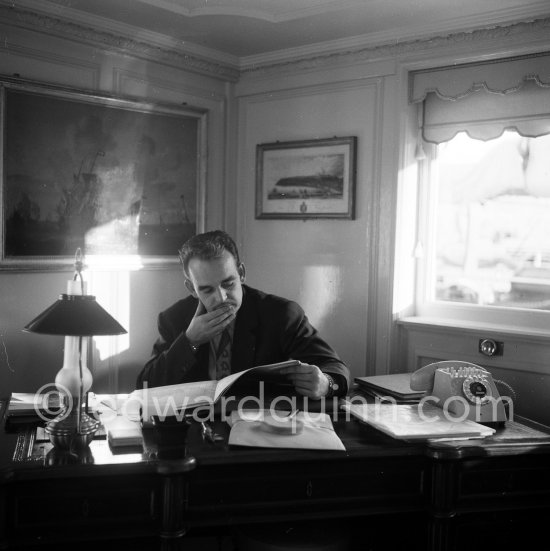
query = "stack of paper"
{"x": 123, "y": 432}
{"x": 24, "y": 403}
{"x": 24, "y": 408}
{"x": 415, "y": 422}
{"x": 395, "y": 386}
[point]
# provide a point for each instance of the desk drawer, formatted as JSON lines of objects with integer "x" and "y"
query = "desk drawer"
{"x": 44, "y": 508}
{"x": 351, "y": 485}
{"x": 504, "y": 482}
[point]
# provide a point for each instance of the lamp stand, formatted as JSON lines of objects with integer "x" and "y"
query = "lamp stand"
{"x": 73, "y": 428}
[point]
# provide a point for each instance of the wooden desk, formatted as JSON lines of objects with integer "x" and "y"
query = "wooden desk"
{"x": 394, "y": 495}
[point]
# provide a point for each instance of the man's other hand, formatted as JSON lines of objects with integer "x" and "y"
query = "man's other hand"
{"x": 308, "y": 380}
{"x": 206, "y": 325}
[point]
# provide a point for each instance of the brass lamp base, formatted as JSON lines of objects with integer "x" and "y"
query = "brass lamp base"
{"x": 65, "y": 433}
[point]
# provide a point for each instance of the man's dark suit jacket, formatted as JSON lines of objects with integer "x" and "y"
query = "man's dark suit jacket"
{"x": 268, "y": 329}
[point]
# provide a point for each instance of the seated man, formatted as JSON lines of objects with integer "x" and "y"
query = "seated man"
{"x": 225, "y": 326}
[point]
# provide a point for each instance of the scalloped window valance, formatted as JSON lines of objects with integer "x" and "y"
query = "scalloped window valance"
{"x": 484, "y": 99}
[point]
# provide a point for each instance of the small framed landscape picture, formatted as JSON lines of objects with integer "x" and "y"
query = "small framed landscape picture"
{"x": 306, "y": 179}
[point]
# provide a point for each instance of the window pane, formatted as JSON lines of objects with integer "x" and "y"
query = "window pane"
{"x": 492, "y": 235}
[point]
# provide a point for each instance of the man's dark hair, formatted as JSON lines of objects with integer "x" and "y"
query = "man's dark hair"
{"x": 207, "y": 246}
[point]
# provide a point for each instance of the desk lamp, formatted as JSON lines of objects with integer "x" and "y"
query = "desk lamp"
{"x": 78, "y": 317}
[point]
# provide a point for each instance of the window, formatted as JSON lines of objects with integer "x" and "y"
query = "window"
{"x": 483, "y": 220}
{"x": 491, "y": 222}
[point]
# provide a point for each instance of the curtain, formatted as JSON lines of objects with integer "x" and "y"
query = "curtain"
{"x": 484, "y": 99}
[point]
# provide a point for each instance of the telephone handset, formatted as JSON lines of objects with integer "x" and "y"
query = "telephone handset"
{"x": 465, "y": 389}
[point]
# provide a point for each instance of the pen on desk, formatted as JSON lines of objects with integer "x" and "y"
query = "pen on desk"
{"x": 209, "y": 434}
{"x": 293, "y": 414}
{"x": 103, "y": 402}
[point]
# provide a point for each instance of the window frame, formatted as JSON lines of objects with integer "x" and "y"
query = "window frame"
{"x": 427, "y": 306}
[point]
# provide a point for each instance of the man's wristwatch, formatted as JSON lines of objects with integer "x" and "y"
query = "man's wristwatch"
{"x": 330, "y": 392}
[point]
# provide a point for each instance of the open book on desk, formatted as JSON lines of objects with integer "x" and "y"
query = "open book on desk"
{"x": 165, "y": 401}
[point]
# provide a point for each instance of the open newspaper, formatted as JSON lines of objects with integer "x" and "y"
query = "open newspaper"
{"x": 170, "y": 400}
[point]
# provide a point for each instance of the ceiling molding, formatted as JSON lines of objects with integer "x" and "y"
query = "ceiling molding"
{"x": 208, "y": 10}
{"x": 351, "y": 55}
{"x": 182, "y": 55}
{"x": 273, "y": 12}
{"x": 150, "y": 45}
{"x": 506, "y": 17}
{"x": 88, "y": 20}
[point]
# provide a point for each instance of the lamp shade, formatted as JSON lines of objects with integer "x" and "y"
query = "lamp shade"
{"x": 75, "y": 315}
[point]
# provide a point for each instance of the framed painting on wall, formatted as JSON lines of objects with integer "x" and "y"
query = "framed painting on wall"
{"x": 114, "y": 177}
{"x": 306, "y": 179}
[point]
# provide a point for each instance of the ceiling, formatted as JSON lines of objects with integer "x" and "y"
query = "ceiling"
{"x": 241, "y": 29}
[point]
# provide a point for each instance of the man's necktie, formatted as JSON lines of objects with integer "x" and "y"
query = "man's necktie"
{"x": 223, "y": 356}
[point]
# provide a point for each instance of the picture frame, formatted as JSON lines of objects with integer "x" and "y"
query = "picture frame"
{"x": 119, "y": 178}
{"x": 306, "y": 179}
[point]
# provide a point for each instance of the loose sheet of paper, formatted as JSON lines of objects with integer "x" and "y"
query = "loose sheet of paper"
{"x": 318, "y": 432}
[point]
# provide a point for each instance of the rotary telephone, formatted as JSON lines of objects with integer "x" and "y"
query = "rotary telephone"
{"x": 465, "y": 389}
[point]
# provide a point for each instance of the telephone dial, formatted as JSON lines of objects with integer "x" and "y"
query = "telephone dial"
{"x": 465, "y": 389}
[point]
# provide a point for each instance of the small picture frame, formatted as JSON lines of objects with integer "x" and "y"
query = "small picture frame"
{"x": 306, "y": 179}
